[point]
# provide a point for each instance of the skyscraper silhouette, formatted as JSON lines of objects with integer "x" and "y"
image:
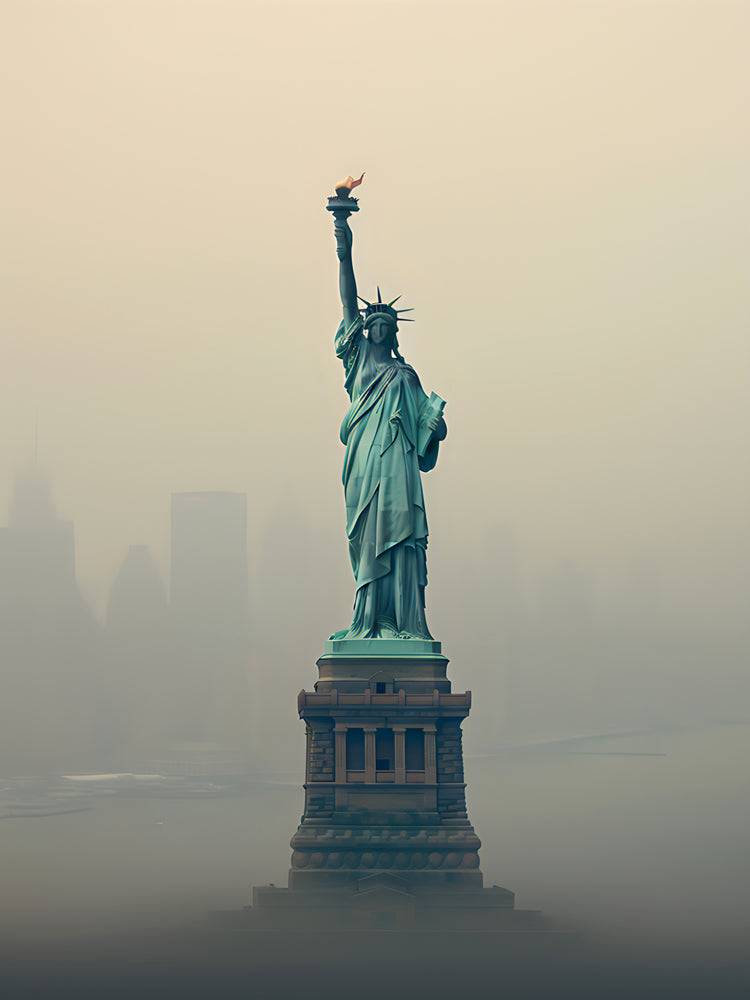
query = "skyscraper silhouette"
{"x": 136, "y": 713}
{"x": 50, "y": 644}
{"x": 209, "y": 614}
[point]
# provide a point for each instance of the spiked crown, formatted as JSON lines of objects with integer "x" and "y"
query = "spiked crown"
{"x": 383, "y": 310}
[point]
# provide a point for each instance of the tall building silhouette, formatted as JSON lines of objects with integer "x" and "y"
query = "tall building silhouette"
{"x": 50, "y": 644}
{"x": 209, "y": 613}
{"x": 136, "y": 711}
{"x": 37, "y": 548}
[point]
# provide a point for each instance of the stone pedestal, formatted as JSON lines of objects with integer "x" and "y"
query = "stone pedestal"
{"x": 385, "y": 839}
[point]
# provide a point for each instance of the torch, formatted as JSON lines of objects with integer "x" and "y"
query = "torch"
{"x": 342, "y": 204}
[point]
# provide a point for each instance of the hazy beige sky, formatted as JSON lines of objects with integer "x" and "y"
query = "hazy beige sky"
{"x": 560, "y": 189}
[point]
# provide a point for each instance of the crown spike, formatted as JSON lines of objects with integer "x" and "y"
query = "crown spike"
{"x": 406, "y": 319}
{"x": 394, "y": 300}
{"x": 364, "y": 300}
{"x": 409, "y": 310}
{"x": 380, "y": 298}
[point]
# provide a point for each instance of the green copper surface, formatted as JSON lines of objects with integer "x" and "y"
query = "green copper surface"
{"x": 385, "y": 647}
{"x": 392, "y": 432}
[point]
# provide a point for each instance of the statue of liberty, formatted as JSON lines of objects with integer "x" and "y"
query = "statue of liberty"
{"x": 392, "y": 433}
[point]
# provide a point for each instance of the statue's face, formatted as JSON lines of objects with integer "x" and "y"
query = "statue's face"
{"x": 380, "y": 332}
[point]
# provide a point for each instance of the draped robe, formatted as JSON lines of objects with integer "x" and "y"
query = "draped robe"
{"x": 386, "y": 522}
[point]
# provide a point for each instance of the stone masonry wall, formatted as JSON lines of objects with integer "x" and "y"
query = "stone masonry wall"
{"x": 318, "y": 804}
{"x": 320, "y": 751}
{"x": 320, "y": 767}
{"x": 450, "y": 770}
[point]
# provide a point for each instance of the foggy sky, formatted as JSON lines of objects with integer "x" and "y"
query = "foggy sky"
{"x": 559, "y": 189}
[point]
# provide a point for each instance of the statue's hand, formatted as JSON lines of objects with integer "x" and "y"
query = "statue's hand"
{"x": 437, "y": 426}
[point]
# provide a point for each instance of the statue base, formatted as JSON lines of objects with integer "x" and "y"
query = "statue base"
{"x": 389, "y": 901}
{"x": 377, "y": 648}
{"x": 385, "y": 838}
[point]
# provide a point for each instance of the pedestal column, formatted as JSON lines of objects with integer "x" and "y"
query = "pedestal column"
{"x": 340, "y": 732}
{"x": 369, "y": 754}
{"x": 399, "y": 741}
{"x": 430, "y": 760}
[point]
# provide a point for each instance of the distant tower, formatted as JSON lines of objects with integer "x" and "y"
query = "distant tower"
{"x": 138, "y": 598}
{"x": 209, "y": 610}
{"x": 37, "y": 549}
{"x": 139, "y": 678}
{"x": 49, "y": 640}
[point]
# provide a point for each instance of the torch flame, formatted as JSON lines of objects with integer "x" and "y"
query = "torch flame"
{"x": 344, "y": 188}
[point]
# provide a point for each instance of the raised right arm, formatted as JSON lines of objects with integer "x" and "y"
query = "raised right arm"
{"x": 347, "y": 281}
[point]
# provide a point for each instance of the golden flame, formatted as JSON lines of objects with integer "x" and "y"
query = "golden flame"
{"x": 344, "y": 188}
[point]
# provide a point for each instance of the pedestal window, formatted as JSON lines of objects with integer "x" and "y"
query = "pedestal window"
{"x": 384, "y": 750}
{"x": 414, "y": 750}
{"x": 355, "y": 749}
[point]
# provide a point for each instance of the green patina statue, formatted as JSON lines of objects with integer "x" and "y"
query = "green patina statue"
{"x": 392, "y": 433}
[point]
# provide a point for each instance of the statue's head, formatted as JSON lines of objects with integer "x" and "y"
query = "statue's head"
{"x": 380, "y": 328}
{"x": 381, "y": 321}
